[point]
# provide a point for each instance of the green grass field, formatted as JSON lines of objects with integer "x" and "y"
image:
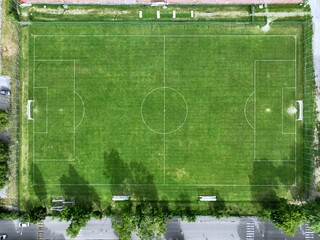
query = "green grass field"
{"x": 164, "y": 111}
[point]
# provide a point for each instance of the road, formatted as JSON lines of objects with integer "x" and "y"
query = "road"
{"x": 95, "y": 229}
{"x": 14, "y": 232}
{"x": 205, "y": 228}
{"x": 208, "y": 228}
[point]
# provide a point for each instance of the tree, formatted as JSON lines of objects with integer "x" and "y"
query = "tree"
{"x": 124, "y": 224}
{"x": 79, "y": 216}
{"x": 312, "y": 213}
{"x": 3, "y": 174}
{"x": 3, "y": 120}
{"x": 4, "y": 155}
{"x": 286, "y": 216}
{"x": 151, "y": 221}
{"x": 37, "y": 214}
{"x": 123, "y": 221}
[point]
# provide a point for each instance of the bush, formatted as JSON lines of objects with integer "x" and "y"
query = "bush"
{"x": 3, "y": 174}
{"x": 287, "y": 217}
{"x": 6, "y": 214}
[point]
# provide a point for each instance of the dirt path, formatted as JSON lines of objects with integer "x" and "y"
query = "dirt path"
{"x": 275, "y": 15}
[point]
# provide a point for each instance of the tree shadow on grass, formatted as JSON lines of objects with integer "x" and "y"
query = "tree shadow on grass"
{"x": 268, "y": 178}
{"x": 132, "y": 179}
{"x": 183, "y": 208}
{"x": 39, "y": 186}
{"x": 75, "y": 186}
{"x": 216, "y": 208}
{"x": 263, "y": 175}
{"x": 146, "y": 190}
{"x": 118, "y": 173}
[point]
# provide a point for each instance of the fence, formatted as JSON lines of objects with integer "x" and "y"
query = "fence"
{"x": 309, "y": 150}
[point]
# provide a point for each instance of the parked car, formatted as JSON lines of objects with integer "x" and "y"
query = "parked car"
{"x": 5, "y": 92}
{"x": 3, "y": 236}
{"x": 26, "y": 224}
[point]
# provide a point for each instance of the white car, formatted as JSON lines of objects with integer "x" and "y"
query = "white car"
{"x": 26, "y": 224}
{"x": 3, "y": 236}
{"x": 5, "y": 92}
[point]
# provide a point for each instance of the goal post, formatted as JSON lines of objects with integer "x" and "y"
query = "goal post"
{"x": 28, "y": 110}
{"x": 300, "y": 105}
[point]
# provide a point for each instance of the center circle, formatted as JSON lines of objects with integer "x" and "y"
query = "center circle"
{"x": 164, "y": 110}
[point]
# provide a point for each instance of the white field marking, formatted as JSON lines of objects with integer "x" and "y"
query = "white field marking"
{"x": 274, "y": 160}
{"x": 74, "y": 140}
{"x": 255, "y": 109}
{"x": 282, "y": 108}
{"x": 245, "y": 108}
{"x": 227, "y": 35}
{"x": 255, "y": 102}
{"x": 74, "y": 108}
{"x": 173, "y": 35}
{"x": 54, "y": 160}
{"x": 279, "y": 60}
{"x": 46, "y": 109}
{"x": 296, "y": 96}
{"x": 33, "y": 83}
{"x": 186, "y": 106}
{"x": 83, "y": 109}
{"x": 54, "y": 60}
{"x": 185, "y": 185}
{"x": 164, "y": 109}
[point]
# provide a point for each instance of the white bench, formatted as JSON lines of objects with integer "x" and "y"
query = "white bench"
{"x": 120, "y": 198}
{"x": 207, "y": 198}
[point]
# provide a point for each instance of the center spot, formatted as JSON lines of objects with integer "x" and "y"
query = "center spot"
{"x": 164, "y": 110}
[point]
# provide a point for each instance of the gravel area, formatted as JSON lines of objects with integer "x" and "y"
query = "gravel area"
{"x": 1, "y": 38}
{"x": 315, "y": 10}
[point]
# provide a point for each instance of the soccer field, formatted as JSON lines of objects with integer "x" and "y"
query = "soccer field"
{"x": 165, "y": 111}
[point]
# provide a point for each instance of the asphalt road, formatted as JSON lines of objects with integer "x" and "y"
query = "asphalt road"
{"x": 14, "y": 232}
{"x": 205, "y": 228}
{"x": 95, "y": 229}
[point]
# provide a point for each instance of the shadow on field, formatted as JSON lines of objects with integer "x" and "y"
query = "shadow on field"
{"x": 272, "y": 175}
{"x": 132, "y": 179}
{"x": 75, "y": 186}
{"x": 217, "y": 208}
{"x": 183, "y": 208}
{"x": 39, "y": 187}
